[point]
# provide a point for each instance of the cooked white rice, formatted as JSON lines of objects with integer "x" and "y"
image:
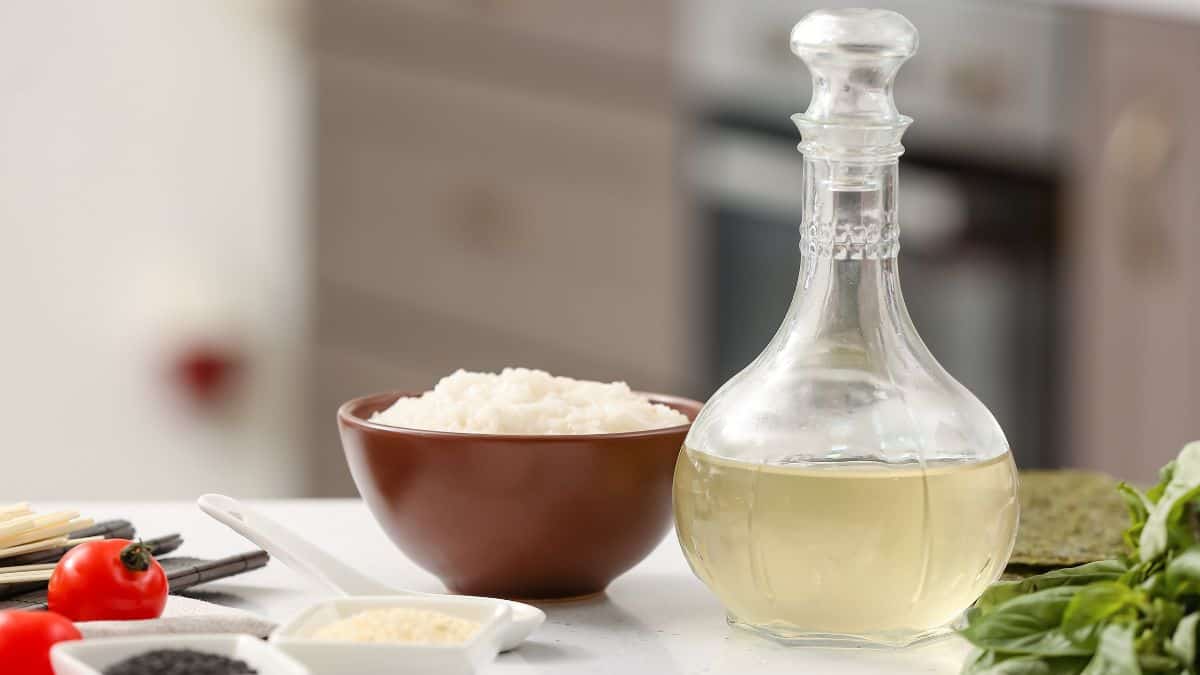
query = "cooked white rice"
{"x": 524, "y": 401}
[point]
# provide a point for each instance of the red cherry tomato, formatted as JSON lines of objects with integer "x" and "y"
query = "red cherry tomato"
{"x": 114, "y": 579}
{"x": 26, "y": 639}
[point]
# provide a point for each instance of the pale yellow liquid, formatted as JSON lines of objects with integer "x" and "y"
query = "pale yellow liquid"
{"x": 860, "y": 550}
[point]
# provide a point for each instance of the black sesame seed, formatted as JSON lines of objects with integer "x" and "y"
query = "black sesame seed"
{"x": 179, "y": 662}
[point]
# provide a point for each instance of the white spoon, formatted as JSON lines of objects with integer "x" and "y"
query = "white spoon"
{"x": 305, "y": 558}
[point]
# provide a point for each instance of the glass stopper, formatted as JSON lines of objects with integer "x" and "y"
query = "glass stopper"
{"x": 853, "y": 55}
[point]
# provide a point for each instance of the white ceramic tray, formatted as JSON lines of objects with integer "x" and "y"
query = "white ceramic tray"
{"x": 339, "y": 658}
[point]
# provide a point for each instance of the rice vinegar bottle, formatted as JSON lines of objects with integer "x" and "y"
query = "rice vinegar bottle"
{"x": 844, "y": 487}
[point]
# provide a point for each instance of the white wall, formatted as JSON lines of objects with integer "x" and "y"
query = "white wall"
{"x": 151, "y": 176}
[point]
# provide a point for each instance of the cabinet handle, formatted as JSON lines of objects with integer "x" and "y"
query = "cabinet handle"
{"x": 483, "y": 220}
{"x": 1137, "y": 157}
{"x": 980, "y": 84}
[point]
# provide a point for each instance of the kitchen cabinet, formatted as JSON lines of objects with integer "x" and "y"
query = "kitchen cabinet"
{"x": 1134, "y": 386}
{"x": 494, "y": 185}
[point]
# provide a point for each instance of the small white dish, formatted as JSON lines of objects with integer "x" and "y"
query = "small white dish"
{"x": 91, "y": 657}
{"x": 327, "y": 657}
{"x": 302, "y": 556}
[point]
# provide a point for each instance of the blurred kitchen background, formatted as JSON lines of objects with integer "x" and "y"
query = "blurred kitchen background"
{"x": 224, "y": 217}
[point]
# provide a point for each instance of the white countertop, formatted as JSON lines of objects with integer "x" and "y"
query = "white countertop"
{"x": 656, "y": 619}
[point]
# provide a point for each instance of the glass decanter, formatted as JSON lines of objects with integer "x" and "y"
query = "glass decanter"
{"x": 844, "y": 487}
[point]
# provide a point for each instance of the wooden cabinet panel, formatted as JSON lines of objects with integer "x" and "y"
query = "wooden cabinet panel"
{"x": 551, "y": 221}
{"x": 343, "y": 374}
{"x": 623, "y": 28}
{"x": 1135, "y": 318}
{"x": 495, "y": 185}
{"x": 614, "y": 54}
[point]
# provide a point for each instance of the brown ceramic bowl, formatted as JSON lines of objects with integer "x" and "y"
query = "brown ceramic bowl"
{"x": 534, "y": 517}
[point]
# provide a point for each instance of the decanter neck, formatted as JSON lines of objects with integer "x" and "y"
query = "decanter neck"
{"x": 848, "y": 292}
{"x": 852, "y": 306}
{"x": 849, "y": 210}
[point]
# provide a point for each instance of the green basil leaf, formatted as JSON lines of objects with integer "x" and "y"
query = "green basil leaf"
{"x": 1081, "y": 575}
{"x": 1164, "y": 477}
{"x": 1184, "y": 531}
{"x": 1145, "y": 575}
{"x": 1095, "y": 603}
{"x": 1151, "y": 641}
{"x": 1027, "y": 624}
{"x": 1160, "y": 663}
{"x": 1183, "y": 642}
{"x": 1181, "y": 486}
{"x": 991, "y": 663}
{"x": 1164, "y": 616}
{"x": 1137, "y": 503}
{"x": 1115, "y": 654}
{"x": 1183, "y": 573}
{"x": 1139, "y": 506}
{"x": 978, "y": 660}
{"x": 1152, "y": 584}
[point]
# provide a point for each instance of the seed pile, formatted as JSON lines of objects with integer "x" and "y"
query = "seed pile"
{"x": 400, "y": 624}
{"x": 179, "y": 662}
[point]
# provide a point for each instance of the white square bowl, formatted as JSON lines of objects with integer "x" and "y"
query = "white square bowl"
{"x": 92, "y": 656}
{"x": 326, "y": 657}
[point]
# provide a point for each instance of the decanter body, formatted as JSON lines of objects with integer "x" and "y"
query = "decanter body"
{"x": 844, "y": 487}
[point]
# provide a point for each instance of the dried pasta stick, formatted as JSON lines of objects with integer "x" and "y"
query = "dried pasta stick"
{"x": 47, "y": 532}
{"x": 14, "y": 511}
{"x": 27, "y": 568}
{"x": 57, "y": 542}
{"x": 23, "y": 525}
{"x": 25, "y": 577}
{"x": 35, "y": 546}
{"x": 15, "y": 526}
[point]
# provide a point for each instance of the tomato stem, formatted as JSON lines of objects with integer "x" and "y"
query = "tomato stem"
{"x": 136, "y": 557}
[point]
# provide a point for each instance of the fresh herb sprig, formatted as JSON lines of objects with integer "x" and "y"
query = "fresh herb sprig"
{"x": 1133, "y": 616}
